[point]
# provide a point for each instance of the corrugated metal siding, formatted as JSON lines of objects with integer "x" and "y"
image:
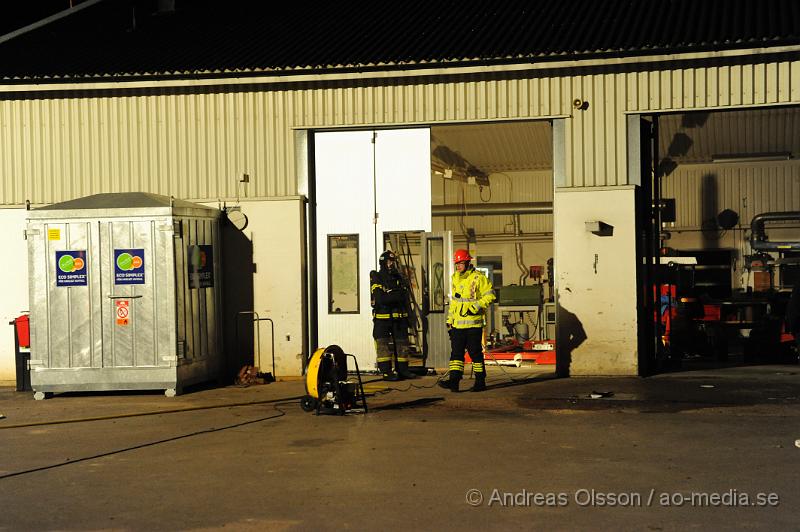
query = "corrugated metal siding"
{"x": 702, "y": 191}
{"x": 191, "y": 146}
{"x": 197, "y": 145}
{"x": 596, "y": 137}
{"x": 696, "y": 137}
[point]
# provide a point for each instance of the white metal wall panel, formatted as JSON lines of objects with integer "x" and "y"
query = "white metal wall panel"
{"x": 403, "y": 190}
{"x": 196, "y": 145}
{"x": 702, "y": 191}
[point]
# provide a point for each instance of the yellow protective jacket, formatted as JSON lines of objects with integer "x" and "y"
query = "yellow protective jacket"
{"x": 471, "y": 296}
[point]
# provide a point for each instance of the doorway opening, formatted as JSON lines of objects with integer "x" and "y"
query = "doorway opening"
{"x": 726, "y": 228}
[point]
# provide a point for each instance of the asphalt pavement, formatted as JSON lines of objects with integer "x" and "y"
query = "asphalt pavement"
{"x": 709, "y": 448}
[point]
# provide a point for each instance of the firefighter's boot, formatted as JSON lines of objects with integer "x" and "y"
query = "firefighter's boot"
{"x": 452, "y": 383}
{"x": 386, "y": 371}
{"x": 404, "y": 372}
{"x": 480, "y": 382}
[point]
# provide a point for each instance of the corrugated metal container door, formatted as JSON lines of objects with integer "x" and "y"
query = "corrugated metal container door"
{"x": 132, "y": 343}
{"x": 70, "y": 335}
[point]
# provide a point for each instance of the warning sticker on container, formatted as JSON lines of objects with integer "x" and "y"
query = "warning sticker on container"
{"x": 129, "y": 266}
{"x": 54, "y": 234}
{"x": 123, "y": 312}
{"x": 71, "y": 268}
{"x": 201, "y": 266}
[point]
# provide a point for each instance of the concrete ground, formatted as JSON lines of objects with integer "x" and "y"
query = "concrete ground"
{"x": 678, "y": 451}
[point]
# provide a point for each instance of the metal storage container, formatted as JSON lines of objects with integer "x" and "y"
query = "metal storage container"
{"x": 124, "y": 294}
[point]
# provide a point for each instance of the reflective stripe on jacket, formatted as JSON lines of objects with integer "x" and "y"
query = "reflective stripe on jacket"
{"x": 388, "y": 296}
{"x": 471, "y": 296}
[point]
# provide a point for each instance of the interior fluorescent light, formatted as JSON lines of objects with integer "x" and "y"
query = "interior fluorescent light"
{"x": 751, "y": 157}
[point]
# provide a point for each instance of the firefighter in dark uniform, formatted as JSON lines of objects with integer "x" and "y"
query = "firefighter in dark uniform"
{"x": 390, "y": 318}
{"x": 471, "y": 296}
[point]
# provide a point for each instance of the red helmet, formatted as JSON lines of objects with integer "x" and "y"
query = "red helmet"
{"x": 461, "y": 255}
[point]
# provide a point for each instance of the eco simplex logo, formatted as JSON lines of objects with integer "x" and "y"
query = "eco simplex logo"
{"x": 129, "y": 266}
{"x": 71, "y": 268}
{"x": 70, "y": 264}
{"x": 127, "y": 262}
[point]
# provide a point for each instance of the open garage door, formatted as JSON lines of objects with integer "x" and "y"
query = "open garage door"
{"x": 492, "y": 189}
{"x": 728, "y": 185}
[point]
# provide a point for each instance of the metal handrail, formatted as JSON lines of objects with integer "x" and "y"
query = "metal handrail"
{"x": 258, "y": 319}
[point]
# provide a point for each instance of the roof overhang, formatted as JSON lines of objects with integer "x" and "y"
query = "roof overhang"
{"x": 405, "y": 71}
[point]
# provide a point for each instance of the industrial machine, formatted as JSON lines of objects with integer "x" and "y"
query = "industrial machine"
{"x": 696, "y": 321}
{"x": 328, "y": 390}
{"x": 519, "y": 306}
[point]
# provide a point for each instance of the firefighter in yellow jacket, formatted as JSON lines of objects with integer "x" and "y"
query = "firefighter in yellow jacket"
{"x": 471, "y": 296}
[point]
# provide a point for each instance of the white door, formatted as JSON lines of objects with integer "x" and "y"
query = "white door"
{"x": 366, "y": 183}
{"x": 345, "y": 241}
{"x": 437, "y": 270}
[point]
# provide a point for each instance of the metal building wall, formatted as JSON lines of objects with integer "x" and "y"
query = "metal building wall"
{"x": 526, "y": 186}
{"x": 702, "y": 191}
{"x": 186, "y": 145}
{"x": 197, "y": 144}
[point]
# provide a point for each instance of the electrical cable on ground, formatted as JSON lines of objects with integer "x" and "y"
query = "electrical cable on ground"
{"x": 152, "y": 413}
{"x": 281, "y": 413}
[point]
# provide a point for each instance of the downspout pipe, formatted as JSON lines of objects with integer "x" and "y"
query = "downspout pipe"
{"x": 758, "y": 236}
{"x": 484, "y": 209}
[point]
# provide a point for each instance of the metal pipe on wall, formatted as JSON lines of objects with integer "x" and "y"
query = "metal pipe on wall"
{"x": 758, "y": 236}
{"x": 484, "y": 209}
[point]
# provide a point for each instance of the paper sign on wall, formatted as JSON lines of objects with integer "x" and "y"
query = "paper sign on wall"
{"x": 201, "y": 266}
{"x": 122, "y": 311}
{"x": 129, "y": 266}
{"x": 71, "y": 268}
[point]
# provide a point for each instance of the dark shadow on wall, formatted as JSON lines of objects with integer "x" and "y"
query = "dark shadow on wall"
{"x": 570, "y": 334}
{"x": 694, "y": 119}
{"x": 679, "y": 146}
{"x": 709, "y": 210}
{"x": 237, "y": 275}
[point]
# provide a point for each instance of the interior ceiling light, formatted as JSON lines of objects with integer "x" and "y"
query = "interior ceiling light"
{"x": 751, "y": 157}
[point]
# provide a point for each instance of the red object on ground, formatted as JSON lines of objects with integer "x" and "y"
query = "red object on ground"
{"x": 526, "y": 351}
{"x": 22, "y": 324}
{"x": 786, "y": 336}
